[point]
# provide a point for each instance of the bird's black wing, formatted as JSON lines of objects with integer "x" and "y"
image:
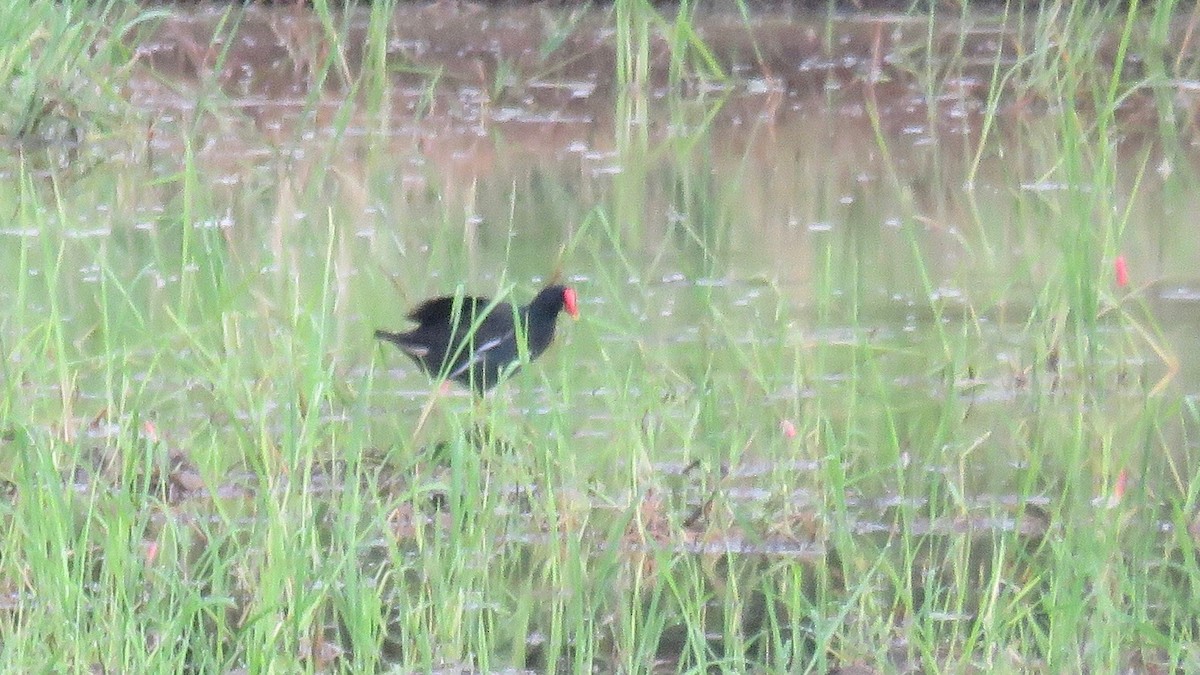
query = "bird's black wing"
{"x": 442, "y": 309}
{"x": 493, "y": 345}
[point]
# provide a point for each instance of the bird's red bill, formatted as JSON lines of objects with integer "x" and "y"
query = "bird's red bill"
{"x": 571, "y": 302}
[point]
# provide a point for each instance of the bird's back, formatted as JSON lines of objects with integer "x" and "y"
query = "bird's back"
{"x": 443, "y": 309}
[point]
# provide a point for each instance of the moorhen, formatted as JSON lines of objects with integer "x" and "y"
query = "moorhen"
{"x": 463, "y": 339}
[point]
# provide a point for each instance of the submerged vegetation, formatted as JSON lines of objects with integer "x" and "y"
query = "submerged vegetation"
{"x": 883, "y": 362}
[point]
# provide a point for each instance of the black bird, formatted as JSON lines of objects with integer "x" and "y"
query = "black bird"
{"x": 469, "y": 340}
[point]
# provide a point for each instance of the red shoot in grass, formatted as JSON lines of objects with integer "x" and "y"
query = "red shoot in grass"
{"x": 1122, "y": 271}
{"x": 1118, "y": 490}
{"x": 788, "y": 429}
{"x": 1122, "y": 482}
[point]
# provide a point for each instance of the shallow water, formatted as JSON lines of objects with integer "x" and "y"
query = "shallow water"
{"x": 828, "y": 206}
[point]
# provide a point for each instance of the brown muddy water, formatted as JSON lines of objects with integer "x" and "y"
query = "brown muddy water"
{"x": 847, "y": 180}
{"x": 822, "y": 204}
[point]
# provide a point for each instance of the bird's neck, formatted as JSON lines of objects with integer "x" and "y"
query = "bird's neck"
{"x": 539, "y": 331}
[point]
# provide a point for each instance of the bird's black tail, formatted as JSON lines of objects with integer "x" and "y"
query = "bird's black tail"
{"x": 384, "y": 335}
{"x": 404, "y": 341}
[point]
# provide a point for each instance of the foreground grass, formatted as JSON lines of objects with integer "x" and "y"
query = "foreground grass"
{"x": 210, "y": 466}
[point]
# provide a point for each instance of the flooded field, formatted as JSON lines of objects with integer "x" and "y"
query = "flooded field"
{"x": 884, "y": 362}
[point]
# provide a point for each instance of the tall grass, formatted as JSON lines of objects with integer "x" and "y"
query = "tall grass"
{"x": 58, "y": 61}
{"x": 804, "y": 424}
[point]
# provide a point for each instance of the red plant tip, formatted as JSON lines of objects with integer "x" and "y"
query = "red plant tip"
{"x": 788, "y": 429}
{"x": 1119, "y": 488}
{"x": 1122, "y": 271}
{"x": 571, "y": 301}
{"x": 150, "y": 550}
